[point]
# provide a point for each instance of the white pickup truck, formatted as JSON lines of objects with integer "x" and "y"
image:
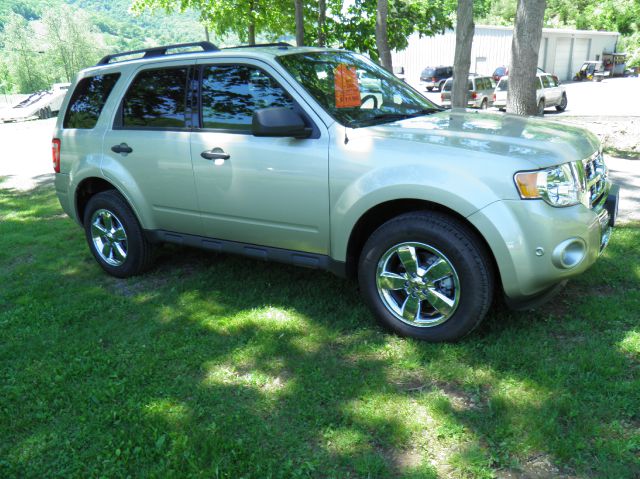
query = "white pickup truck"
{"x": 41, "y": 105}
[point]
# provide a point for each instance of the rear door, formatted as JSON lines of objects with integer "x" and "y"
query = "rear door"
{"x": 269, "y": 191}
{"x": 147, "y": 148}
{"x": 550, "y": 92}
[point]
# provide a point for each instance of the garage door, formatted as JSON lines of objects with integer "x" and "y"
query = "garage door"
{"x": 580, "y": 52}
{"x": 561, "y": 63}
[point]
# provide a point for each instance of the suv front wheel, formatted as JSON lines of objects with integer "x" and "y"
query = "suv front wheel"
{"x": 115, "y": 237}
{"x": 425, "y": 275}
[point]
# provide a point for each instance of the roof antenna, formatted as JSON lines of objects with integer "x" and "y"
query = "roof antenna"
{"x": 346, "y": 138}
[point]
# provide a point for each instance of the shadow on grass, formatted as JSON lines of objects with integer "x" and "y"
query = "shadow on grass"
{"x": 624, "y": 154}
{"x": 219, "y": 366}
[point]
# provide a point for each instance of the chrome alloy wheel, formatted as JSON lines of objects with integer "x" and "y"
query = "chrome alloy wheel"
{"x": 109, "y": 237}
{"x": 418, "y": 284}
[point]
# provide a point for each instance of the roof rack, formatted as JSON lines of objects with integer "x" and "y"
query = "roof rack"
{"x": 275, "y": 44}
{"x": 160, "y": 51}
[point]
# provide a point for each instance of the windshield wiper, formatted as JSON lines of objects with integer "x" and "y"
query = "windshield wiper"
{"x": 384, "y": 117}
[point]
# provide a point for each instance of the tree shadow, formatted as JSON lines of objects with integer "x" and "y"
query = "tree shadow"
{"x": 221, "y": 366}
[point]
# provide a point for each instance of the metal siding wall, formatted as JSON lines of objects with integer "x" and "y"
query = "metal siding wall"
{"x": 494, "y": 44}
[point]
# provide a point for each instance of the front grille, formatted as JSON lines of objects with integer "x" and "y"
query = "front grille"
{"x": 592, "y": 176}
{"x": 595, "y": 178}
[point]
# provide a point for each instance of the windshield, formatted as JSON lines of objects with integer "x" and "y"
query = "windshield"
{"x": 353, "y": 90}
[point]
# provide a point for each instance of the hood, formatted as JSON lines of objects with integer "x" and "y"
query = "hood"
{"x": 542, "y": 142}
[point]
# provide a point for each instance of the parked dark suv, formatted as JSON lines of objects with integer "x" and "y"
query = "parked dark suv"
{"x": 434, "y": 77}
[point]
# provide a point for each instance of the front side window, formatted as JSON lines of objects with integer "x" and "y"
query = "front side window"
{"x": 88, "y": 100}
{"x": 231, "y": 93}
{"x": 354, "y": 90}
{"x": 156, "y": 99}
{"x": 545, "y": 81}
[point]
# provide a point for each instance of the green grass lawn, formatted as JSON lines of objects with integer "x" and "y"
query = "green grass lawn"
{"x": 219, "y": 366}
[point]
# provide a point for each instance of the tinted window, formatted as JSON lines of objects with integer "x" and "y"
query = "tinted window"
{"x": 503, "y": 85}
{"x": 231, "y": 93}
{"x": 156, "y": 99}
{"x": 88, "y": 100}
{"x": 428, "y": 72}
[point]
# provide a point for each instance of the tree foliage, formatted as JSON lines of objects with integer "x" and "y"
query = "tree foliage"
{"x": 72, "y": 41}
{"x": 356, "y": 28}
{"x": 23, "y": 61}
{"x": 615, "y": 15}
{"x": 243, "y": 18}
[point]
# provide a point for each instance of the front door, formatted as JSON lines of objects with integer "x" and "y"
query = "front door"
{"x": 268, "y": 191}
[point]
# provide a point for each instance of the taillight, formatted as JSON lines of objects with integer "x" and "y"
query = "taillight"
{"x": 441, "y": 96}
{"x": 474, "y": 95}
{"x": 55, "y": 149}
{"x": 494, "y": 97}
{"x": 433, "y": 79}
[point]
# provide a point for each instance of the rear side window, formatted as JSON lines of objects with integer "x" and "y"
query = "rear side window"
{"x": 156, "y": 99}
{"x": 503, "y": 85}
{"x": 88, "y": 100}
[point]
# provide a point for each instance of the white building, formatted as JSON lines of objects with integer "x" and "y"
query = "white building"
{"x": 561, "y": 51}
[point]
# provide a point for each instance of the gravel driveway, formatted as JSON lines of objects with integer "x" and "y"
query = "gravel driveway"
{"x": 27, "y": 159}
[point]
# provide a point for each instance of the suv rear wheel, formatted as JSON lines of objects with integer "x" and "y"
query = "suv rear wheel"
{"x": 541, "y": 107}
{"x": 425, "y": 275}
{"x": 115, "y": 237}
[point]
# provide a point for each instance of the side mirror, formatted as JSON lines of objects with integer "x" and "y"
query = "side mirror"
{"x": 279, "y": 122}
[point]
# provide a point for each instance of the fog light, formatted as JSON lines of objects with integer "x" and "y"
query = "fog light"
{"x": 569, "y": 253}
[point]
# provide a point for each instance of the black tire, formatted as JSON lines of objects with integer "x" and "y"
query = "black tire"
{"x": 563, "y": 103}
{"x": 41, "y": 114}
{"x": 484, "y": 105}
{"x": 429, "y": 88}
{"x": 471, "y": 274}
{"x": 441, "y": 85}
{"x": 138, "y": 252}
{"x": 47, "y": 112}
{"x": 541, "y": 107}
{"x": 502, "y": 109}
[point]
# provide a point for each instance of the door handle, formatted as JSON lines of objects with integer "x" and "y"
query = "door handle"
{"x": 121, "y": 148}
{"x": 215, "y": 154}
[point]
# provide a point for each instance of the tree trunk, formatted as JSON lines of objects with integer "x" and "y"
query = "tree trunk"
{"x": 382, "y": 39}
{"x": 299, "y": 22}
{"x": 525, "y": 46}
{"x": 462, "y": 60}
{"x": 322, "y": 18}
{"x": 251, "y": 30}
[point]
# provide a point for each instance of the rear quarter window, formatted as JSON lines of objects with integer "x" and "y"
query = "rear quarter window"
{"x": 88, "y": 100}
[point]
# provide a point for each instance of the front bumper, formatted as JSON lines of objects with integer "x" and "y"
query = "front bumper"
{"x": 537, "y": 246}
{"x": 428, "y": 84}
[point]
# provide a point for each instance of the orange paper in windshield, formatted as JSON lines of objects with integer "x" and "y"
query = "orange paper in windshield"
{"x": 346, "y": 87}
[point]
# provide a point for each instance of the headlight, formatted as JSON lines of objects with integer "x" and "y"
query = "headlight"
{"x": 558, "y": 185}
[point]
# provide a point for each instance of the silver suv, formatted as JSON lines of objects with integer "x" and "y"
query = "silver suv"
{"x": 322, "y": 159}
{"x": 549, "y": 92}
{"x": 479, "y": 92}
